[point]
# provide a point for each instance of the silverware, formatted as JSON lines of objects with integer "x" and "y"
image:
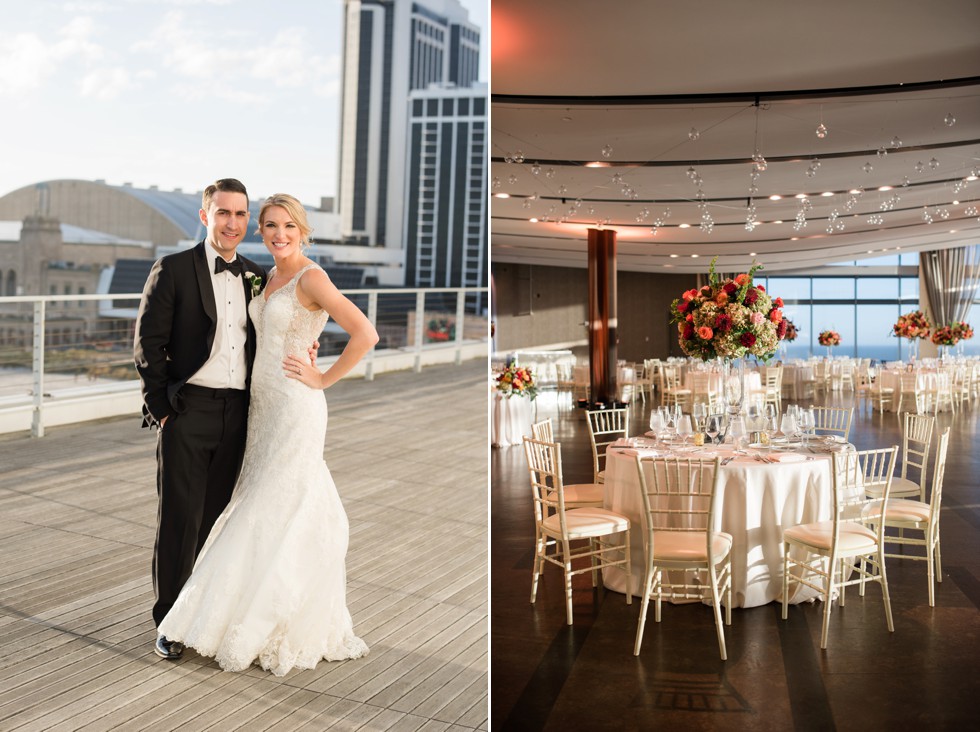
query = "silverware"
{"x": 727, "y": 460}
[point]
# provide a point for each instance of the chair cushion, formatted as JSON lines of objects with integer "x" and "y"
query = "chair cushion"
{"x": 581, "y": 493}
{"x": 585, "y": 522}
{"x": 854, "y": 538}
{"x": 900, "y": 487}
{"x": 901, "y": 510}
{"x": 688, "y": 546}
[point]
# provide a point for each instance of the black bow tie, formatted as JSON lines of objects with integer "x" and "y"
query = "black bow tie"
{"x": 235, "y": 266}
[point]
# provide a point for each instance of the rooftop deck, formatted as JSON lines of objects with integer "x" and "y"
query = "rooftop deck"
{"x": 77, "y": 518}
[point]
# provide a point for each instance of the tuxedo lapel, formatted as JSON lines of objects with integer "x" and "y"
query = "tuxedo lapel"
{"x": 206, "y": 289}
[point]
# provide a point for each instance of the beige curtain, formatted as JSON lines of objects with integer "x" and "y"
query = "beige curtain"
{"x": 951, "y": 277}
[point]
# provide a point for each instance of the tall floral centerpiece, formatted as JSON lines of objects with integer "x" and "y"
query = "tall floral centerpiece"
{"x": 791, "y": 331}
{"x": 729, "y": 319}
{"x": 946, "y": 337}
{"x": 913, "y": 326}
{"x": 517, "y": 381}
{"x": 964, "y": 332}
{"x": 829, "y": 338}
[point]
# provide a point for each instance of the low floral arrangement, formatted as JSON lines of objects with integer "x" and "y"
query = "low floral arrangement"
{"x": 947, "y": 335}
{"x": 963, "y": 330}
{"x": 829, "y": 338}
{"x": 517, "y": 381}
{"x": 440, "y": 330}
{"x": 912, "y": 325}
{"x": 791, "y": 332}
{"x": 729, "y": 318}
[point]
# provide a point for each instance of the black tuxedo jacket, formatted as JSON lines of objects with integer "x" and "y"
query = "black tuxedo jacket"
{"x": 176, "y": 325}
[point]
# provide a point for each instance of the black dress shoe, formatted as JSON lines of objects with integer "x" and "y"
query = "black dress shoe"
{"x": 168, "y": 649}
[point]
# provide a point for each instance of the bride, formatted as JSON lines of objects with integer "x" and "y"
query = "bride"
{"x": 270, "y": 581}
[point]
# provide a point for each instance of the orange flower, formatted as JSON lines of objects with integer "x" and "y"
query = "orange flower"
{"x": 741, "y": 279}
{"x": 690, "y": 295}
{"x": 722, "y": 298}
{"x": 705, "y": 333}
{"x": 775, "y": 315}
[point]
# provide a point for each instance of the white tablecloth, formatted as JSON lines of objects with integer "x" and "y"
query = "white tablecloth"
{"x": 759, "y": 501}
{"x": 512, "y": 418}
{"x": 753, "y": 382}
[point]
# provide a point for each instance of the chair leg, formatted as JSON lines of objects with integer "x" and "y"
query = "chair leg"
{"x": 884, "y": 588}
{"x": 593, "y": 561}
{"x": 785, "y": 579}
{"x": 716, "y": 607}
{"x": 540, "y": 547}
{"x": 828, "y": 600}
{"x": 929, "y": 573}
{"x": 647, "y": 586}
{"x": 629, "y": 576}
{"x": 568, "y": 582}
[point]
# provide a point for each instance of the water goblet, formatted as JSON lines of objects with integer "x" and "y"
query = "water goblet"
{"x": 700, "y": 413}
{"x": 806, "y": 424}
{"x": 656, "y": 421}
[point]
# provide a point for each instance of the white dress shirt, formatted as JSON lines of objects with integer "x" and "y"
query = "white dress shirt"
{"x": 225, "y": 368}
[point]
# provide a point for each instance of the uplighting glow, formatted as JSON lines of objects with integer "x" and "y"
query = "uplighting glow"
{"x": 775, "y": 197}
{"x": 685, "y": 226}
{"x": 501, "y": 195}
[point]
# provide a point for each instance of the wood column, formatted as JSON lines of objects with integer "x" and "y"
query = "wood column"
{"x": 602, "y": 315}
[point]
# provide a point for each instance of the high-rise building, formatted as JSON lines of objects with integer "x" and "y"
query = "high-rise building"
{"x": 446, "y": 174}
{"x": 393, "y": 48}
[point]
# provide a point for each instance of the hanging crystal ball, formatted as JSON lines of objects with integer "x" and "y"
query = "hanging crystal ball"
{"x": 694, "y": 133}
{"x": 821, "y": 130}
{"x": 896, "y": 142}
{"x": 949, "y": 119}
{"x": 536, "y": 169}
{"x": 868, "y": 167}
{"x": 607, "y": 151}
{"x": 933, "y": 163}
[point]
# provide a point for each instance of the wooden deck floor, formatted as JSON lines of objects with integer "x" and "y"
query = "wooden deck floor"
{"x": 77, "y": 514}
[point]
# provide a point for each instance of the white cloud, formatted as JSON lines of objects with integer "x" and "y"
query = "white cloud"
{"x": 108, "y": 83}
{"x": 286, "y": 61}
{"x": 26, "y": 59}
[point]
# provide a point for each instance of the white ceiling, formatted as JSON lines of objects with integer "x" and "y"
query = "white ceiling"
{"x": 572, "y": 77}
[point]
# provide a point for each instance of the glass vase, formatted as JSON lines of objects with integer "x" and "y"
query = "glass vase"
{"x": 734, "y": 385}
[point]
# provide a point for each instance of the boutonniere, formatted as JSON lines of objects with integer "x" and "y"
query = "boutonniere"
{"x": 255, "y": 282}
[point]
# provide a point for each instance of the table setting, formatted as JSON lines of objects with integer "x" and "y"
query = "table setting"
{"x": 772, "y": 478}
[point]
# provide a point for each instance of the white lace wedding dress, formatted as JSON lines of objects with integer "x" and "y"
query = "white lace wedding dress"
{"x": 270, "y": 582}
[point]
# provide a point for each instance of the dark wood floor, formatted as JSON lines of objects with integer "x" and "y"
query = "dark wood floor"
{"x": 547, "y": 675}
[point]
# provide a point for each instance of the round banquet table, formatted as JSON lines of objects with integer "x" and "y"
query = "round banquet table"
{"x": 759, "y": 501}
{"x": 925, "y": 381}
{"x": 511, "y": 419}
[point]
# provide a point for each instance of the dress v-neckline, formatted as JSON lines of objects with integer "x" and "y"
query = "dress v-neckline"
{"x": 267, "y": 296}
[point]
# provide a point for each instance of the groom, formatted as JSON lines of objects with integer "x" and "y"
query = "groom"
{"x": 194, "y": 347}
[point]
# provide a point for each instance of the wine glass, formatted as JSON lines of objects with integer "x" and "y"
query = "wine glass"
{"x": 683, "y": 423}
{"x": 712, "y": 426}
{"x": 788, "y": 425}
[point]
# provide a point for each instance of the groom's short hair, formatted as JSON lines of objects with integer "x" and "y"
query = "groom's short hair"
{"x": 230, "y": 185}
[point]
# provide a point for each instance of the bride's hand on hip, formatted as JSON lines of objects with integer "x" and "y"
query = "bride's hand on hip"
{"x": 296, "y": 368}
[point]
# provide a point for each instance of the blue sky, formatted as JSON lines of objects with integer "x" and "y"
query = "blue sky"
{"x": 176, "y": 93}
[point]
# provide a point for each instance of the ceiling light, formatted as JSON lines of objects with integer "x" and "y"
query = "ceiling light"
{"x": 751, "y": 254}
{"x": 597, "y": 164}
{"x": 800, "y": 195}
{"x": 668, "y": 265}
{"x": 956, "y": 203}
{"x": 855, "y": 191}
{"x": 795, "y": 238}
{"x": 778, "y": 221}
{"x": 775, "y": 197}
{"x": 971, "y": 177}
{"x": 695, "y": 256}
{"x": 674, "y": 256}
{"x": 951, "y": 231}
{"x": 827, "y": 193}
{"x": 501, "y": 195}
{"x": 533, "y": 220}
{"x": 885, "y": 188}
{"x": 685, "y": 226}
{"x": 871, "y": 251}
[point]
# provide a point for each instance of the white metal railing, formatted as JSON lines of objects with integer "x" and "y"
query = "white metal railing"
{"x": 49, "y": 343}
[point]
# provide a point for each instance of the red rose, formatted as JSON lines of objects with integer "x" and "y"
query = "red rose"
{"x": 781, "y": 329}
{"x": 730, "y": 287}
{"x": 682, "y": 307}
{"x": 751, "y": 296}
{"x": 747, "y": 339}
{"x": 723, "y": 322}
{"x": 778, "y": 302}
{"x": 706, "y": 291}
{"x": 760, "y": 287}
{"x": 689, "y": 333}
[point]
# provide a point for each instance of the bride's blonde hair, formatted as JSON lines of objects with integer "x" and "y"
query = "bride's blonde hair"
{"x": 295, "y": 210}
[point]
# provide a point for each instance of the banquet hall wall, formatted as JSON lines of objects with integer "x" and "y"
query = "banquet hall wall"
{"x": 538, "y": 306}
